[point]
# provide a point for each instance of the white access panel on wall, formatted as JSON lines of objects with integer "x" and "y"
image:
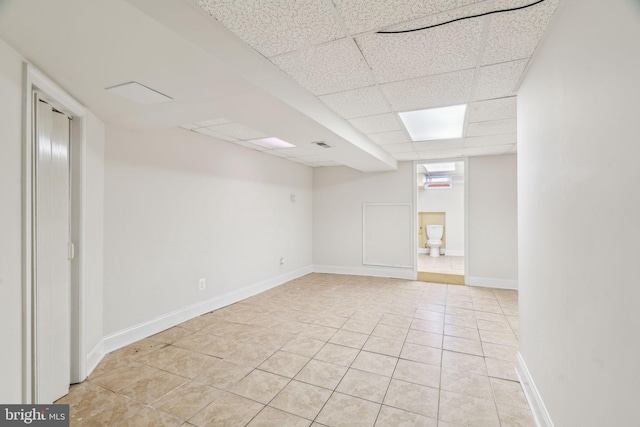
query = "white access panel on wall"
{"x": 387, "y": 234}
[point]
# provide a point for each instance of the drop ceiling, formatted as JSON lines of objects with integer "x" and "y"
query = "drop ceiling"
{"x": 303, "y": 71}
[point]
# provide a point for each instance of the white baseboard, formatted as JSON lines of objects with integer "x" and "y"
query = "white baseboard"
{"x": 489, "y": 282}
{"x": 540, "y": 413}
{"x": 392, "y": 272}
{"x": 94, "y": 357}
{"x": 454, "y": 252}
{"x": 143, "y": 330}
{"x": 423, "y": 250}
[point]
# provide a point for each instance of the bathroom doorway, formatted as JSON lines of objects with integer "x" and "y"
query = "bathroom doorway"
{"x": 441, "y": 221}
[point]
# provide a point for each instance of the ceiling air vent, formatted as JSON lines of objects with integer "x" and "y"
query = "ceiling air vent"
{"x": 322, "y": 144}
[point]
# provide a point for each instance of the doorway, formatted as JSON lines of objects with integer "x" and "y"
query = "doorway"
{"x": 54, "y": 144}
{"x": 440, "y": 203}
{"x": 52, "y": 252}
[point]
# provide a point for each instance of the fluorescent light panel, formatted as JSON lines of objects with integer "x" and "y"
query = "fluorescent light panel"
{"x": 440, "y": 167}
{"x": 434, "y": 123}
{"x": 272, "y": 142}
{"x": 139, "y": 93}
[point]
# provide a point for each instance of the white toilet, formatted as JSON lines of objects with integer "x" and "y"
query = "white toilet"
{"x": 434, "y": 236}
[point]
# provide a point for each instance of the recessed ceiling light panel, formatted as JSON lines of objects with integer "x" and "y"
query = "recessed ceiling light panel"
{"x": 271, "y": 143}
{"x": 435, "y": 123}
{"x": 440, "y": 167}
{"x": 139, "y": 93}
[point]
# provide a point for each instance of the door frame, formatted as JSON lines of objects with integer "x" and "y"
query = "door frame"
{"x": 34, "y": 80}
{"x": 414, "y": 193}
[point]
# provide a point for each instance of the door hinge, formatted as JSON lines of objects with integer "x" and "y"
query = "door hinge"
{"x": 72, "y": 251}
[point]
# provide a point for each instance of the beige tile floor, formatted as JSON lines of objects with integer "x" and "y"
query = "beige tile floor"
{"x": 322, "y": 350}
{"x": 442, "y": 264}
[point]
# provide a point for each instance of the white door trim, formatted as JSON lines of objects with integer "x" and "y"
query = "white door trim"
{"x": 34, "y": 80}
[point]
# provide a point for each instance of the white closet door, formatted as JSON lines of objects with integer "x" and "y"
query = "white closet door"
{"x": 52, "y": 275}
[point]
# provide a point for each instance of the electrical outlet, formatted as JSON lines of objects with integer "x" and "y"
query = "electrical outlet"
{"x": 282, "y": 261}
{"x": 202, "y": 284}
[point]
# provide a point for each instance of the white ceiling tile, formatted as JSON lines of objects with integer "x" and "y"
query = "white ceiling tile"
{"x": 361, "y": 102}
{"x": 365, "y": 15}
{"x": 405, "y": 156}
{"x": 405, "y": 147}
{"x": 212, "y": 122}
{"x": 487, "y": 151}
{"x": 238, "y": 131}
{"x": 498, "y": 81}
{"x": 451, "y": 47}
{"x": 328, "y": 68}
{"x": 293, "y": 152}
{"x": 433, "y": 91}
{"x": 210, "y": 132}
{"x": 439, "y": 154}
{"x": 493, "y": 109}
{"x": 273, "y": 27}
{"x": 480, "y": 141}
{"x": 251, "y": 146}
{"x": 327, "y": 163}
{"x": 494, "y": 127}
{"x": 439, "y": 145}
{"x": 376, "y": 124}
{"x": 393, "y": 137}
{"x": 515, "y": 35}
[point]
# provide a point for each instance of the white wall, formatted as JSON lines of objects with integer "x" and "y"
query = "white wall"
{"x": 180, "y": 206}
{"x": 451, "y": 202}
{"x": 493, "y": 221}
{"x": 579, "y": 215}
{"x": 10, "y": 225}
{"x": 94, "y": 231}
{"x": 338, "y": 195}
